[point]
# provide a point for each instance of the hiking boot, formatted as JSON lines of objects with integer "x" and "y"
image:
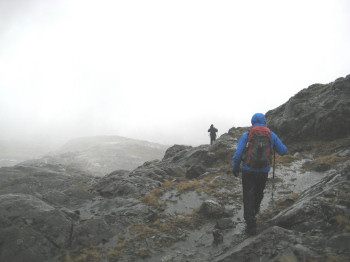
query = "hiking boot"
{"x": 251, "y": 230}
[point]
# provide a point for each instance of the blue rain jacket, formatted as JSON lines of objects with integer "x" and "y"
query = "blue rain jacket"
{"x": 257, "y": 120}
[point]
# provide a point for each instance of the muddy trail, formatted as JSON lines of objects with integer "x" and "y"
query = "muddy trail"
{"x": 290, "y": 181}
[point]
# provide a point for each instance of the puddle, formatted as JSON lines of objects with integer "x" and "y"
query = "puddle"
{"x": 182, "y": 204}
{"x": 295, "y": 180}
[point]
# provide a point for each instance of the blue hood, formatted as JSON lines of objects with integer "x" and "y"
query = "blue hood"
{"x": 258, "y": 119}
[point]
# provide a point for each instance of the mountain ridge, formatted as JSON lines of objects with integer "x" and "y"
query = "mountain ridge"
{"x": 99, "y": 155}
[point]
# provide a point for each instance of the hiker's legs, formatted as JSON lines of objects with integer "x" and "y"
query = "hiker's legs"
{"x": 260, "y": 182}
{"x": 249, "y": 198}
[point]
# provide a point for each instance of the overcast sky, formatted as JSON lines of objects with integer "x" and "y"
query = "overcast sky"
{"x": 161, "y": 71}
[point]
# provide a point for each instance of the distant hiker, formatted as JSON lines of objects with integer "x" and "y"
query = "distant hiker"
{"x": 212, "y": 131}
{"x": 255, "y": 148}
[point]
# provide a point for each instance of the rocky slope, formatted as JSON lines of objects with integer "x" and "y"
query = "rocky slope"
{"x": 319, "y": 112}
{"x": 185, "y": 207}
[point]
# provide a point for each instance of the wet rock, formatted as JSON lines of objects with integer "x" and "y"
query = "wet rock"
{"x": 286, "y": 256}
{"x": 303, "y": 253}
{"x": 224, "y": 223}
{"x": 195, "y": 171}
{"x": 319, "y": 112}
{"x": 210, "y": 209}
{"x": 344, "y": 153}
{"x": 31, "y": 230}
{"x": 218, "y": 236}
{"x": 267, "y": 246}
{"x": 91, "y": 233}
{"x": 316, "y": 166}
{"x": 174, "y": 150}
{"x": 124, "y": 184}
{"x": 340, "y": 241}
{"x": 47, "y": 182}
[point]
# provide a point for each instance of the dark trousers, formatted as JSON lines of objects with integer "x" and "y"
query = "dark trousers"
{"x": 212, "y": 138}
{"x": 253, "y": 193}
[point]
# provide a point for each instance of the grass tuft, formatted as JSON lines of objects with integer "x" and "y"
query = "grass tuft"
{"x": 152, "y": 198}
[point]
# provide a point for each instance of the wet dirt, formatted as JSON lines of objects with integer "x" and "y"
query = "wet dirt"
{"x": 198, "y": 246}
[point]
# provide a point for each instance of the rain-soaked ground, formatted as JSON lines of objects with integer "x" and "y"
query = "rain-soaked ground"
{"x": 199, "y": 246}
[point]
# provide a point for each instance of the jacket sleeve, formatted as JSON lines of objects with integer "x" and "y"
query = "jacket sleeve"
{"x": 280, "y": 148}
{"x": 236, "y": 160}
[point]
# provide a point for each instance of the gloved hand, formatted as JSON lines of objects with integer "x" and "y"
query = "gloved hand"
{"x": 236, "y": 173}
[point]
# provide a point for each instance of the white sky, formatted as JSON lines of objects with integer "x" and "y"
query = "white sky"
{"x": 162, "y": 70}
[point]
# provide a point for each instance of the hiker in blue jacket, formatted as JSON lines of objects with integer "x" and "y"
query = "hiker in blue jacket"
{"x": 254, "y": 178}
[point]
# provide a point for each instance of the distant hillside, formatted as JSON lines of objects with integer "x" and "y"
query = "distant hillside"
{"x": 100, "y": 155}
{"x": 13, "y": 152}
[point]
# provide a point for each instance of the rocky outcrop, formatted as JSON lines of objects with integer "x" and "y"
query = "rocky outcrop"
{"x": 314, "y": 228}
{"x": 31, "y": 229}
{"x": 319, "y": 112}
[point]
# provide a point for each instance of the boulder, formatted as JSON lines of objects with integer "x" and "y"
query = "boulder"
{"x": 175, "y": 149}
{"x": 31, "y": 230}
{"x": 319, "y": 112}
{"x": 211, "y": 208}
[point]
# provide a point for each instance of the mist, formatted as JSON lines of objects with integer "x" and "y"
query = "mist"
{"x": 160, "y": 71}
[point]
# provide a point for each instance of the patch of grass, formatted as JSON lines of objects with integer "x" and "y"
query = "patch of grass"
{"x": 143, "y": 253}
{"x": 221, "y": 189}
{"x": 287, "y": 201}
{"x": 276, "y": 179}
{"x": 343, "y": 223}
{"x": 152, "y": 198}
{"x": 331, "y": 160}
{"x": 86, "y": 255}
{"x": 267, "y": 214}
{"x": 165, "y": 231}
{"x": 117, "y": 252}
{"x": 187, "y": 186}
{"x": 168, "y": 185}
{"x": 326, "y": 148}
{"x": 165, "y": 227}
{"x": 191, "y": 221}
{"x": 210, "y": 177}
{"x": 280, "y": 205}
{"x": 285, "y": 160}
{"x": 83, "y": 185}
{"x": 344, "y": 196}
{"x": 142, "y": 230}
{"x": 335, "y": 259}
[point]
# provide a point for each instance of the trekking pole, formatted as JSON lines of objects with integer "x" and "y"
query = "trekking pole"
{"x": 274, "y": 164}
{"x": 273, "y": 177}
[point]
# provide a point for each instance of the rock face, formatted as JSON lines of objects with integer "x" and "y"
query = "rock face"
{"x": 184, "y": 207}
{"x": 31, "y": 229}
{"x": 320, "y": 112}
{"x": 316, "y": 222}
